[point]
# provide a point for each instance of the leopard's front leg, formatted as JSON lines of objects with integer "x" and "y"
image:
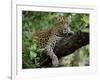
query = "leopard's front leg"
{"x": 52, "y": 55}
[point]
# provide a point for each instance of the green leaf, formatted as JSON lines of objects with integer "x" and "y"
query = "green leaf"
{"x": 33, "y": 55}
{"x": 29, "y": 23}
{"x": 41, "y": 50}
{"x": 34, "y": 47}
{"x": 85, "y": 19}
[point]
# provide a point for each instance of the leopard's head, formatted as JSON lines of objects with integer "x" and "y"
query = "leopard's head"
{"x": 62, "y": 24}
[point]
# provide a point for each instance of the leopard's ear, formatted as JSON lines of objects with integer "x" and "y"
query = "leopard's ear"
{"x": 58, "y": 18}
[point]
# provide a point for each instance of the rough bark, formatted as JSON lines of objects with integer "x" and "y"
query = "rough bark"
{"x": 68, "y": 45}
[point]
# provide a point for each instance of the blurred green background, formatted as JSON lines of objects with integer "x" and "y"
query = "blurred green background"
{"x": 31, "y": 51}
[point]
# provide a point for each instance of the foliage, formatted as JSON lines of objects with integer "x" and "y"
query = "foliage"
{"x": 34, "y": 20}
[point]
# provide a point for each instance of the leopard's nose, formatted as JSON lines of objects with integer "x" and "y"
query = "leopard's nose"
{"x": 65, "y": 30}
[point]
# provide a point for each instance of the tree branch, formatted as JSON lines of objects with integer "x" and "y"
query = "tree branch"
{"x": 68, "y": 45}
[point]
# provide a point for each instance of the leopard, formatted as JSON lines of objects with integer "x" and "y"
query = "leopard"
{"x": 47, "y": 38}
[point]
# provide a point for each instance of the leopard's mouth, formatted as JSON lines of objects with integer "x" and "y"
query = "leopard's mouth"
{"x": 65, "y": 30}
